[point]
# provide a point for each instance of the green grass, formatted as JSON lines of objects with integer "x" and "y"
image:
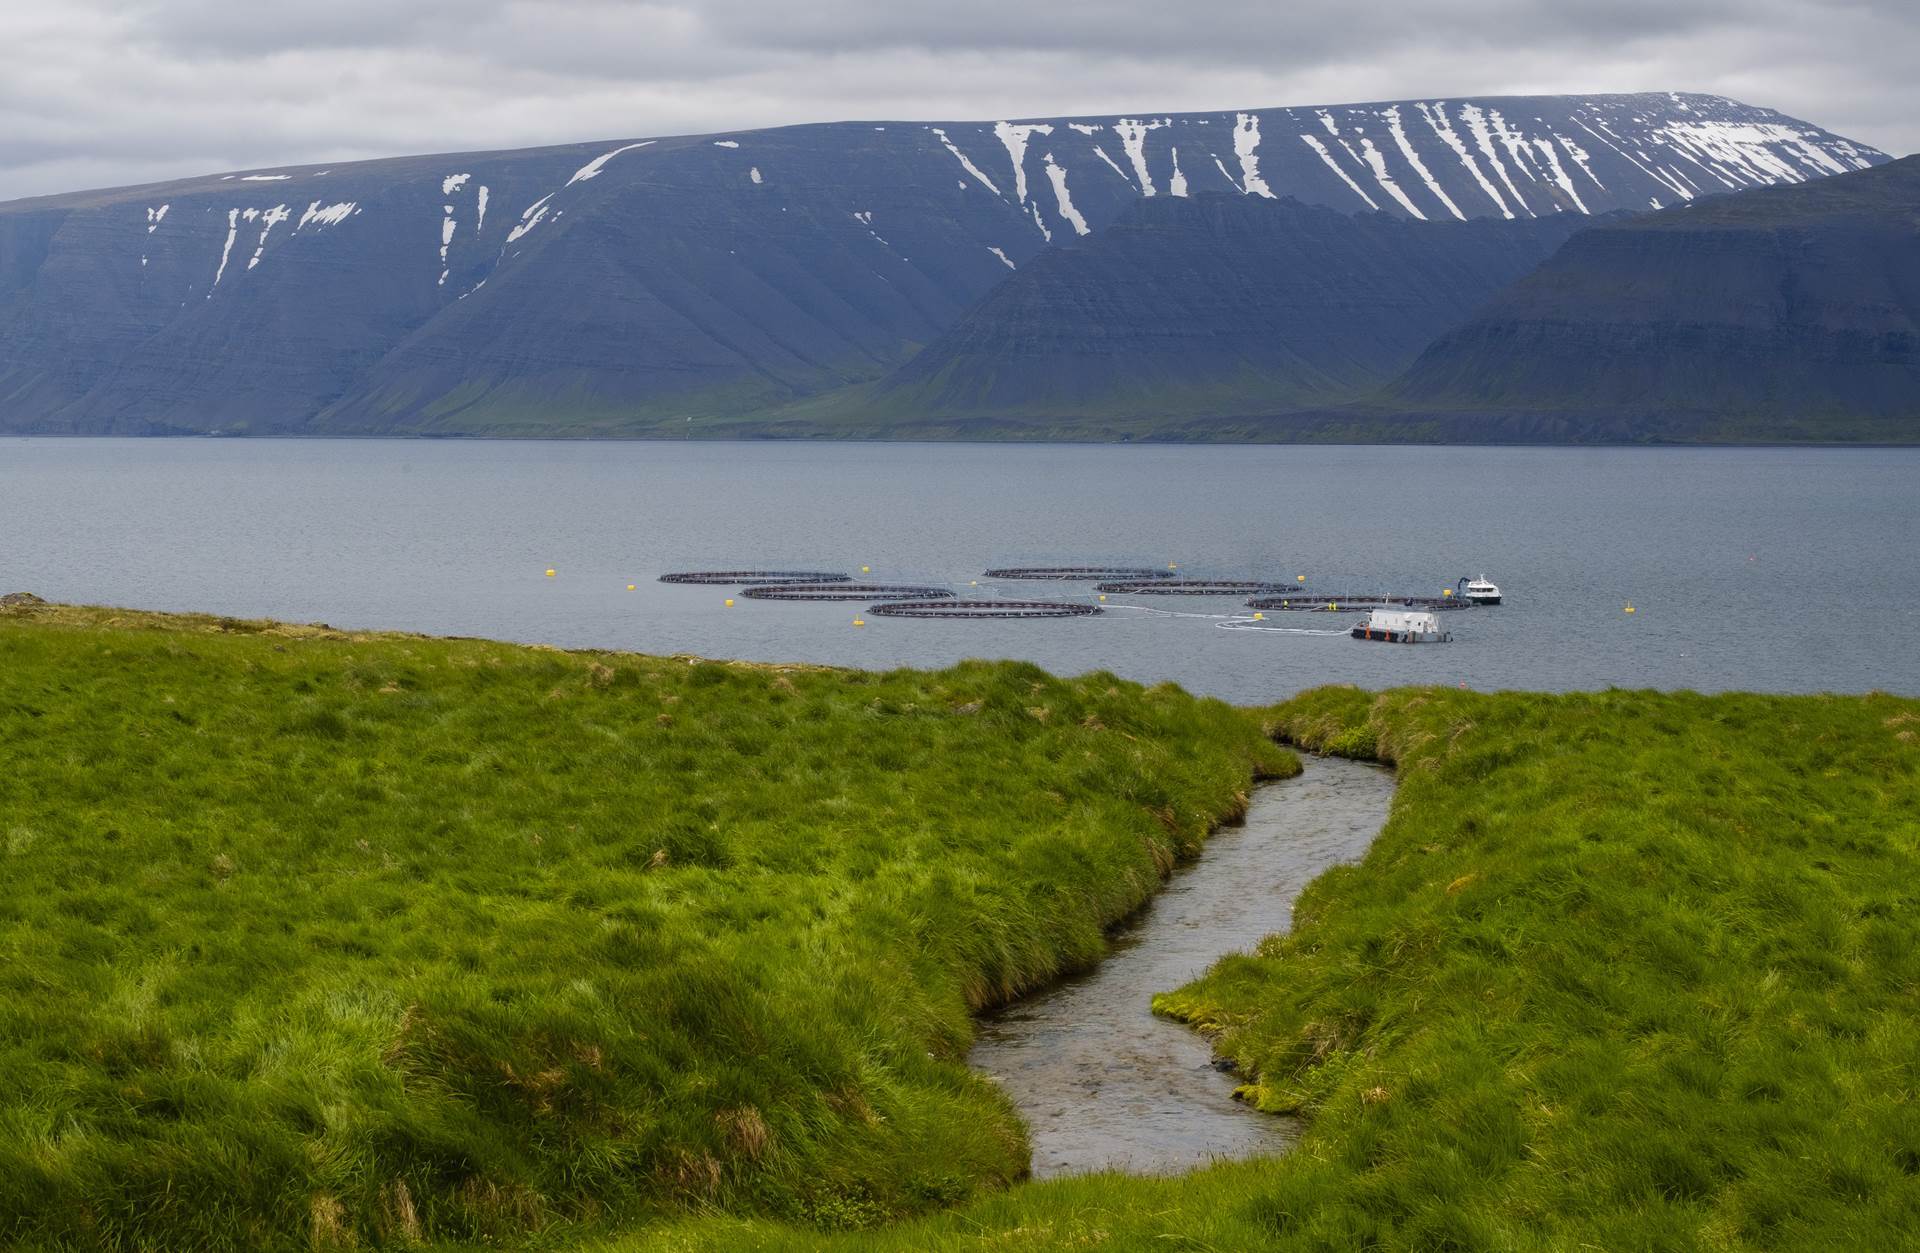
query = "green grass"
{"x": 317, "y": 940}
{"x": 309, "y": 940}
{"x": 1624, "y": 971}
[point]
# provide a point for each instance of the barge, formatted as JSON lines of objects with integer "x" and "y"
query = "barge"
{"x": 1394, "y": 626}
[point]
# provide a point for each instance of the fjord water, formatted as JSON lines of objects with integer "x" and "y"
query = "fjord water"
{"x": 1101, "y": 1082}
{"x": 1765, "y": 569}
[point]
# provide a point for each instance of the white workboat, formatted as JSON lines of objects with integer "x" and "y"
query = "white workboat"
{"x": 1479, "y": 591}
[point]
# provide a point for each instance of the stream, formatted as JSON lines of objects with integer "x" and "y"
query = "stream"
{"x": 1101, "y": 1082}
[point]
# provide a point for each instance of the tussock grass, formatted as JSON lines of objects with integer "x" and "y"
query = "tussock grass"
{"x": 320, "y": 940}
{"x": 1627, "y": 970}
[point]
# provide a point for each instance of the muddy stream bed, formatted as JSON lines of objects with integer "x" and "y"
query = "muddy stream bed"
{"x": 1101, "y": 1082}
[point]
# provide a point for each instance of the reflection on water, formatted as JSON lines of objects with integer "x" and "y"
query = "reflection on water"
{"x": 1102, "y": 1083}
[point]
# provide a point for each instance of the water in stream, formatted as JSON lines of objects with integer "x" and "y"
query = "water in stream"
{"x": 1102, "y": 1083}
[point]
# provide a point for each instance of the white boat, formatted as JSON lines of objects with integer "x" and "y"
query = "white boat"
{"x": 1479, "y": 591}
{"x": 1399, "y": 626}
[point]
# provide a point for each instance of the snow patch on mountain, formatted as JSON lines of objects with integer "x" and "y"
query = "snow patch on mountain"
{"x": 1246, "y": 146}
{"x": 1559, "y": 173}
{"x": 1412, "y": 154}
{"x": 1482, "y": 132}
{"x": 324, "y": 215}
{"x": 965, "y": 163}
{"x": 1100, "y": 152}
{"x": 268, "y": 220}
{"x": 1058, "y": 177}
{"x": 447, "y": 227}
{"x": 226, "y": 249}
{"x": 592, "y": 168}
{"x": 1436, "y": 115}
{"x": 1378, "y": 164}
{"x": 1314, "y": 142}
{"x": 1133, "y": 138}
{"x": 534, "y": 215}
{"x": 1014, "y": 139}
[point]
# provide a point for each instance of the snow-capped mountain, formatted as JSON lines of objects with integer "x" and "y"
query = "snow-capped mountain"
{"x": 608, "y": 287}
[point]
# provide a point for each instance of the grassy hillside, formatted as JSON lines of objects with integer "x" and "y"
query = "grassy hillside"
{"x": 1624, "y": 971}
{"x": 318, "y": 940}
{"x": 310, "y": 940}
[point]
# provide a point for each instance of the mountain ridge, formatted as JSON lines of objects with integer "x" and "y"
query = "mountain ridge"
{"x": 609, "y": 288}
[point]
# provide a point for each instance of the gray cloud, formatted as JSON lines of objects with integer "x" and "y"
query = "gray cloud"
{"x": 96, "y": 92}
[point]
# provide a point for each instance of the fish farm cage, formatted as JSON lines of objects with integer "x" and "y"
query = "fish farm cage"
{"x": 845, "y": 591}
{"x": 1339, "y": 603}
{"x": 1070, "y": 574}
{"x": 982, "y": 609}
{"x": 762, "y": 578}
{"x": 1191, "y": 587}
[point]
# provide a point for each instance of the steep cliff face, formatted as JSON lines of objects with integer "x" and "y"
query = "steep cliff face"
{"x": 619, "y": 286}
{"x": 1214, "y": 305}
{"x": 1788, "y": 313}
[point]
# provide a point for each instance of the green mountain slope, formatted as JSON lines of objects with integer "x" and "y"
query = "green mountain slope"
{"x": 1781, "y": 313}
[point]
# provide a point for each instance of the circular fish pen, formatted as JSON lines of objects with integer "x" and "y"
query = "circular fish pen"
{"x": 1334, "y": 603}
{"x": 763, "y": 578}
{"x": 1069, "y": 574}
{"x": 982, "y": 609}
{"x": 1189, "y": 587}
{"x": 845, "y": 591}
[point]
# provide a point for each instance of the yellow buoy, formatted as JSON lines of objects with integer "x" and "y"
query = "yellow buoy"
{"x": 1446, "y": 591}
{"x": 630, "y": 587}
{"x": 1103, "y": 596}
{"x": 729, "y": 602}
{"x": 1299, "y": 578}
{"x": 1259, "y": 617}
{"x": 866, "y": 569}
{"x": 549, "y": 574}
{"x": 1629, "y": 608}
{"x": 859, "y": 622}
{"x": 1173, "y": 565}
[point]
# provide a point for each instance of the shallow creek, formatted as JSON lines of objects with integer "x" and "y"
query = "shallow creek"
{"x": 1102, "y": 1083}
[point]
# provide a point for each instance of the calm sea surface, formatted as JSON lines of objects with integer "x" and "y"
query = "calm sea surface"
{"x": 1777, "y": 570}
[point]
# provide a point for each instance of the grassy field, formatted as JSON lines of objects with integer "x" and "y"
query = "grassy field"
{"x": 317, "y": 940}
{"x": 1624, "y": 971}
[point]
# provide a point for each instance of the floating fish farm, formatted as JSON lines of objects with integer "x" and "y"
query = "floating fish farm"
{"x": 983, "y": 609}
{"x": 1324, "y": 602}
{"x": 845, "y": 591}
{"x": 937, "y": 600}
{"x": 764, "y": 578}
{"x": 1189, "y": 587}
{"x": 1070, "y": 574}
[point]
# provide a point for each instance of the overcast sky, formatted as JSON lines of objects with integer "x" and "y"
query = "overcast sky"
{"x": 103, "y": 92}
